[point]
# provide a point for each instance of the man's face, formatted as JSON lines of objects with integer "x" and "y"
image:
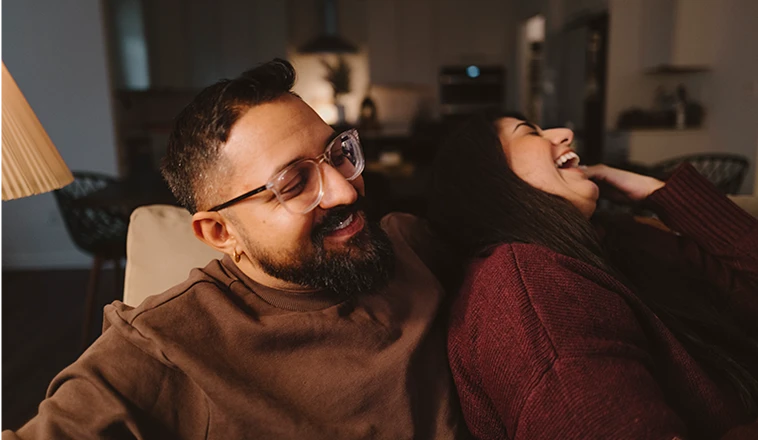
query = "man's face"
{"x": 334, "y": 246}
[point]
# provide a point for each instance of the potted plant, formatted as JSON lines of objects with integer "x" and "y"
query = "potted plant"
{"x": 338, "y": 76}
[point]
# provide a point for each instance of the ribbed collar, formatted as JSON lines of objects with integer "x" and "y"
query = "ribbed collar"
{"x": 283, "y": 299}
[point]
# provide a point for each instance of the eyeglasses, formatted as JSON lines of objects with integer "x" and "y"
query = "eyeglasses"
{"x": 300, "y": 186}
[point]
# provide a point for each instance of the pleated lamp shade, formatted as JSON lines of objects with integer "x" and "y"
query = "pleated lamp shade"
{"x": 31, "y": 164}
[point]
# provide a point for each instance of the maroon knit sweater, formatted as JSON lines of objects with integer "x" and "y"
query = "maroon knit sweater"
{"x": 545, "y": 346}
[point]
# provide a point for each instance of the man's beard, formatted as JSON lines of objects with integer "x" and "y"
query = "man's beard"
{"x": 363, "y": 264}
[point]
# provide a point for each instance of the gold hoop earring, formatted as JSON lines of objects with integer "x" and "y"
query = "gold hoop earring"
{"x": 237, "y": 257}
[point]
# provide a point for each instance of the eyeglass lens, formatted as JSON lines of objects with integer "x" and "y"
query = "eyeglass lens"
{"x": 299, "y": 187}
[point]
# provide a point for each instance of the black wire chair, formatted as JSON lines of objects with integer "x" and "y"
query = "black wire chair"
{"x": 725, "y": 171}
{"x": 98, "y": 231}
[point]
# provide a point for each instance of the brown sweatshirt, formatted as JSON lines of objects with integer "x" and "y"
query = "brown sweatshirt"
{"x": 222, "y": 357}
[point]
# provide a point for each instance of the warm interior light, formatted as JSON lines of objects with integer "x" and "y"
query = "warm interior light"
{"x": 316, "y": 91}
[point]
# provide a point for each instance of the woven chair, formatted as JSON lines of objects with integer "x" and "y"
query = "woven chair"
{"x": 725, "y": 171}
{"x": 98, "y": 231}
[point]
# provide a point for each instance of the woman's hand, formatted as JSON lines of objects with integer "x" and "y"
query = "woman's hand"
{"x": 632, "y": 186}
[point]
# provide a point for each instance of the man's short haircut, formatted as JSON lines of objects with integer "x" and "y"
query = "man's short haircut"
{"x": 193, "y": 159}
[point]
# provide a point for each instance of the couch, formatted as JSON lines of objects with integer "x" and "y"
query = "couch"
{"x": 161, "y": 249}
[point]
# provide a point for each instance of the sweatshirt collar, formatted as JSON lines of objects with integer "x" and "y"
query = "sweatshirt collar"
{"x": 283, "y": 299}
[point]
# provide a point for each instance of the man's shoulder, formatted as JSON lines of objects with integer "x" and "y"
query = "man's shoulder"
{"x": 401, "y": 221}
{"x": 213, "y": 276}
{"x": 412, "y": 233}
{"x": 173, "y": 307}
{"x": 410, "y": 229}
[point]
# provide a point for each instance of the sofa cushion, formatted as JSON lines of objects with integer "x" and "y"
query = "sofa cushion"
{"x": 161, "y": 249}
{"x": 747, "y": 202}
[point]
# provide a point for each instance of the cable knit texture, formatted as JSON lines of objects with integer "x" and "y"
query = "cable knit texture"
{"x": 545, "y": 346}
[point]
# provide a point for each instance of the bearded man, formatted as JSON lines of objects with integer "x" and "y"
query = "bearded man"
{"x": 319, "y": 323}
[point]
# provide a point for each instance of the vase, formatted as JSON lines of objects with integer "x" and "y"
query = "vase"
{"x": 340, "y": 113}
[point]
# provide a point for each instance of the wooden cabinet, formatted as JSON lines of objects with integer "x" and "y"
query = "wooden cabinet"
{"x": 677, "y": 35}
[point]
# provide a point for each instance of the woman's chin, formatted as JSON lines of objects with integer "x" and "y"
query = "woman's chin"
{"x": 586, "y": 196}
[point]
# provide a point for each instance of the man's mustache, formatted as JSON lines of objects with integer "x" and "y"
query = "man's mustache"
{"x": 335, "y": 216}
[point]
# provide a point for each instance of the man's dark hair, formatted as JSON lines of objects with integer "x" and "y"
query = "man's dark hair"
{"x": 193, "y": 159}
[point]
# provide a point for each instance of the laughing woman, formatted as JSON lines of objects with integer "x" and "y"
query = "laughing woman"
{"x": 574, "y": 327}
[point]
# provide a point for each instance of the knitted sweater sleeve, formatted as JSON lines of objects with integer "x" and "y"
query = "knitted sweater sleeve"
{"x": 554, "y": 354}
{"x": 544, "y": 346}
{"x": 716, "y": 238}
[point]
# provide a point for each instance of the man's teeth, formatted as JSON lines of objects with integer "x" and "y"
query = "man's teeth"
{"x": 567, "y": 157}
{"x": 344, "y": 223}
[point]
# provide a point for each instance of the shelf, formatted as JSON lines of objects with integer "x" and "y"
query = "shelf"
{"x": 664, "y": 69}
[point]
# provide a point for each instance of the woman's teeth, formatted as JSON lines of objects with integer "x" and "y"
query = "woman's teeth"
{"x": 344, "y": 223}
{"x": 570, "y": 157}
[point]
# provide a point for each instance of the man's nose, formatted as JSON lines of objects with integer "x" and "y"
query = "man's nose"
{"x": 337, "y": 189}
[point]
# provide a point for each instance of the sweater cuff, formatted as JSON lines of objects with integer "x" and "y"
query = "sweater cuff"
{"x": 690, "y": 204}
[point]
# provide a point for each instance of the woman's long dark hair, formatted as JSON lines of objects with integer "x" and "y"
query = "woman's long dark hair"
{"x": 476, "y": 203}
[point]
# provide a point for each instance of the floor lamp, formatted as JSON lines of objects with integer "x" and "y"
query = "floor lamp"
{"x": 31, "y": 164}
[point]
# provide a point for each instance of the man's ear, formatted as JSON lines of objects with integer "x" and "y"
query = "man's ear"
{"x": 215, "y": 231}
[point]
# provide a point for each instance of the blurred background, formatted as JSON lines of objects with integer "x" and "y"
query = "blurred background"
{"x": 106, "y": 78}
{"x": 641, "y": 82}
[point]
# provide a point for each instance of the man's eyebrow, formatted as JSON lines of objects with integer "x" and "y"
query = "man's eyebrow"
{"x": 279, "y": 169}
{"x": 525, "y": 123}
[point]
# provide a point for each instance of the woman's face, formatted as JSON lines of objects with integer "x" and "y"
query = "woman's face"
{"x": 545, "y": 160}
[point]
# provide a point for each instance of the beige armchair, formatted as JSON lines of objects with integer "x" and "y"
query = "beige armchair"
{"x": 160, "y": 251}
{"x": 747, "y": 202}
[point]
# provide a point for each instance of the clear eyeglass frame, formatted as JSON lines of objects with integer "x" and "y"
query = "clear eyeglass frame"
{"x": 277, "y": 180}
